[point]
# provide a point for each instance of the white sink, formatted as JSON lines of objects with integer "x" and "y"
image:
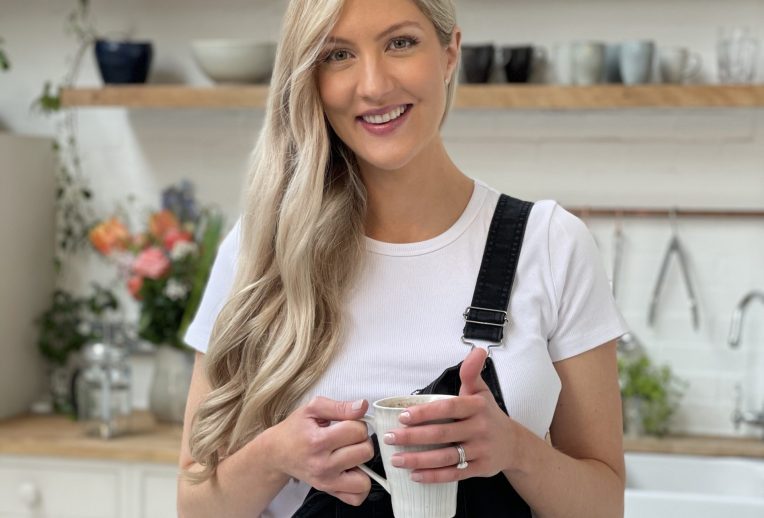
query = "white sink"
{"x": 678, "y": 486}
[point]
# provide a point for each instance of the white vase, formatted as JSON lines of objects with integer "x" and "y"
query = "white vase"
{"x": 169, "y": 384}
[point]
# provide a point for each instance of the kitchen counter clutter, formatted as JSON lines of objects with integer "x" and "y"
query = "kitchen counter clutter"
{"x": 57, "y": 436}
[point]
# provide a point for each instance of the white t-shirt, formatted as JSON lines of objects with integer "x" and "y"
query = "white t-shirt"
{"x": 405, "y": 314}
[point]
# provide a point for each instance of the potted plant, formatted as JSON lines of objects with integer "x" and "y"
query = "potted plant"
{"x": 70, "y": 322}
{"x": 650, "y": 395}
{"x": 165, "y": 266}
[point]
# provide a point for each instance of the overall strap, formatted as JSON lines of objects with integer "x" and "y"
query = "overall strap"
{"x": 487, "y": 316}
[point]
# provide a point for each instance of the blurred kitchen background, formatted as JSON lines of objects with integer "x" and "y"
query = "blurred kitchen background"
{"x": 586, "y": 154}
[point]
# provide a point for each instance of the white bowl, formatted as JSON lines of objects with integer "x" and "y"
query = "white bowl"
{"x": 235, "y": 61}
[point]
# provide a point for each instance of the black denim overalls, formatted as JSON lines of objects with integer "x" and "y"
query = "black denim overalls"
{"x": 477, "y": 497}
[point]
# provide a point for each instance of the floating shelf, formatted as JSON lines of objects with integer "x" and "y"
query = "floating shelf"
{"x": 538, "y": 97}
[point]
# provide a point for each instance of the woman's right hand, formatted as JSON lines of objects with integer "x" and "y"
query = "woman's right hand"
{"x": 326, "y": 457}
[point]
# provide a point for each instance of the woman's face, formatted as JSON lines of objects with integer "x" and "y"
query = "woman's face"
{"x": 382, "y": 80}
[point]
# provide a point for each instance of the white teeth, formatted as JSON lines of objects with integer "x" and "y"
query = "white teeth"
{"x": 387, "y": 117}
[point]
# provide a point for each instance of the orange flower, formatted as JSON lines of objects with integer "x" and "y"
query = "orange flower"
{"x": 108, "y": 236}
{"x": 162, "y": 222}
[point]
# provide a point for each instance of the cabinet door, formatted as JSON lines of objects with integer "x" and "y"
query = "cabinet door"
{"x": 157, "y": 491}
{"x": 51, "y": 488}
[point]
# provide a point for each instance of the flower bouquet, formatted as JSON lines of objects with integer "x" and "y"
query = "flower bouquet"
{"x": 166, "y": 264}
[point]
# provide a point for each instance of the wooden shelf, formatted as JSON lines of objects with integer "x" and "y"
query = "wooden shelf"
{"x": 541, "y": 97}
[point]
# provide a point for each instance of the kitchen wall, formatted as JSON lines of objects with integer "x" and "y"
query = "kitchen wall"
{"x": 685, "y": 158}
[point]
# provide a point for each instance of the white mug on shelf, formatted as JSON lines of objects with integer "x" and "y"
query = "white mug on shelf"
{"x": 588, "y": 62}
{"x": 678, "y": 64}
{"x": 560, "y": 64}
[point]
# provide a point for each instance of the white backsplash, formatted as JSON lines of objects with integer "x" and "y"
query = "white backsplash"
{"x": 685, "y": 158}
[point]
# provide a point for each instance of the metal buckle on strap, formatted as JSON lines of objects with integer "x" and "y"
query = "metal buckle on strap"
{"x": 466, "y": 315}
{"x": 502, "y": 325}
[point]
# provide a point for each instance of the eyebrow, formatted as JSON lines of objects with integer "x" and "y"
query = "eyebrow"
{"x": 381, "y": 35}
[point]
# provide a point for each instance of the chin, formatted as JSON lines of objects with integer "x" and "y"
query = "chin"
{"x": 387, "y": 162}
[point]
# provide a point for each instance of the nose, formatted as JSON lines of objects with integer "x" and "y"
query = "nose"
{"x": 375, "y": 81}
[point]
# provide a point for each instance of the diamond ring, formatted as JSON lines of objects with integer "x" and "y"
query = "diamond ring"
{"x": 462, "y": 457}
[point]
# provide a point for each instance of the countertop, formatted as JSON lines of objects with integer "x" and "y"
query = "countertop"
{"x": 150, "y": 441}
{"x": 697, "y": 445}
{"x": 58, "y": 436}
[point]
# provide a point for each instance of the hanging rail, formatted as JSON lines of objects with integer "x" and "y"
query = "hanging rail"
{"x": 592, "y": 212}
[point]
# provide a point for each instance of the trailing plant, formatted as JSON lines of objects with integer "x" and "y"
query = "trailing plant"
{"x": 658, "y": 390}
{"x": 75, "y": 215}
{"x": 72, "y": 321}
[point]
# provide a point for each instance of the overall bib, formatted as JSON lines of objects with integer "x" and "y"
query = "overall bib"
{"x": 485, "y": 318}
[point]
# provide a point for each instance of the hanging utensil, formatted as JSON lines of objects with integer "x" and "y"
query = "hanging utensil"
{"x": 674, "y": 248}
{"x": 628, "y": 343}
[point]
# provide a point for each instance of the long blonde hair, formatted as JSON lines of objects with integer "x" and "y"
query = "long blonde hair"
{"x": 301, "y": 246}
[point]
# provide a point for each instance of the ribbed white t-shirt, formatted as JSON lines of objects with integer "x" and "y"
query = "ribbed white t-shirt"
{"x": 405, "y": 314}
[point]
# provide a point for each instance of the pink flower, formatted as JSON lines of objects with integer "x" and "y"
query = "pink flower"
{"x": 175, "y": 236}
{"x": 151, "y": 263}
{"x": 134, "y": 285}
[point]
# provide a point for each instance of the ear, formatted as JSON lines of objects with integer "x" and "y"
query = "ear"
{"x": 452, "y": 53}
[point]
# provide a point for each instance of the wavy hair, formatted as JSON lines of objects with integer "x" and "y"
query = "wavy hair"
{"x": 301, "y": 246}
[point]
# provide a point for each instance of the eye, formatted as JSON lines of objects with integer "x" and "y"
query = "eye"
{"x": 337, "y": 55}
{"x": 403, "y": 43}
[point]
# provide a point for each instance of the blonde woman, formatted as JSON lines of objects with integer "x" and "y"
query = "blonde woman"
{"x": 345, "y": 280}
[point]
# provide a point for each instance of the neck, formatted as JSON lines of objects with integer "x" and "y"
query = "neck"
{"x": 418, "y": 201}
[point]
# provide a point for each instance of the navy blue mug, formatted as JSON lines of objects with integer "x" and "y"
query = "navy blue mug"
{"x": 123, "y": 62}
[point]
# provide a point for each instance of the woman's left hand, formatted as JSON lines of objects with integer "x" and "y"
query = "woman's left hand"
{"x": 484, "y": 431}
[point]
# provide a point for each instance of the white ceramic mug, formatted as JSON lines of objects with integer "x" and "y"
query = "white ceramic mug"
{"x": 560, "y": 65}
{"x": 588, "y": 62}
{"x": 410, "y": 499}
{"x": 677, "y": 64}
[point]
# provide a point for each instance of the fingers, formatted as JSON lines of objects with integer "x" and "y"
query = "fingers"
{"x": 425, "y": 434}
{"x": 440, "y": 458}
{"x": 322, "y": 408}
{"x": 461, "y": 407}
{"x": 352, "y": 487}
{"x": 339, "y": 435}
{"x": 469, "y": 373}
{"x": 349, "y": 457}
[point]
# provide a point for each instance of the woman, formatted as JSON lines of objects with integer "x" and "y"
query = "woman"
{"x": 356, "y": 253}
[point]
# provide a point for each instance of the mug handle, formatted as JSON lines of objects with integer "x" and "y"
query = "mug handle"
{"x": 369, "y": 420}
{"x": 693, "y": 67}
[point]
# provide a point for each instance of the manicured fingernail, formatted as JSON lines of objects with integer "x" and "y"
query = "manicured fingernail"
{"x": 389, "y": 438}
{"x": 396, "y": 461}
{"x": 357, "y": 404}
{"x": 404, "y": 418}
{"x": 416, "y": 477}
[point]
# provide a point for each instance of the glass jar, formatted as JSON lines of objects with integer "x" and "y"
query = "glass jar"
{"x": 103, "y": 390}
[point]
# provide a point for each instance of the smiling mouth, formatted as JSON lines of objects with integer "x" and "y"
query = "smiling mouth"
{"x": 392, "y": 115}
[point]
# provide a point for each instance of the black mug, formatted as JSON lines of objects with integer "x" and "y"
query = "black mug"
{"x": 477, "y": 63}
{"x": 517, "y": 63}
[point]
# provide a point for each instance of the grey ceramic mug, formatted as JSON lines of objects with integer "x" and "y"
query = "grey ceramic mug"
{"x": 636, "y": 59}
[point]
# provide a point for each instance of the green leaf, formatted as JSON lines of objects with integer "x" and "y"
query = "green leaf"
{"x": 213, "y": 229}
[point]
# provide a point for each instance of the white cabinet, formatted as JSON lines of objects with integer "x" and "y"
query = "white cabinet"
{"x": 45, "y": 487}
